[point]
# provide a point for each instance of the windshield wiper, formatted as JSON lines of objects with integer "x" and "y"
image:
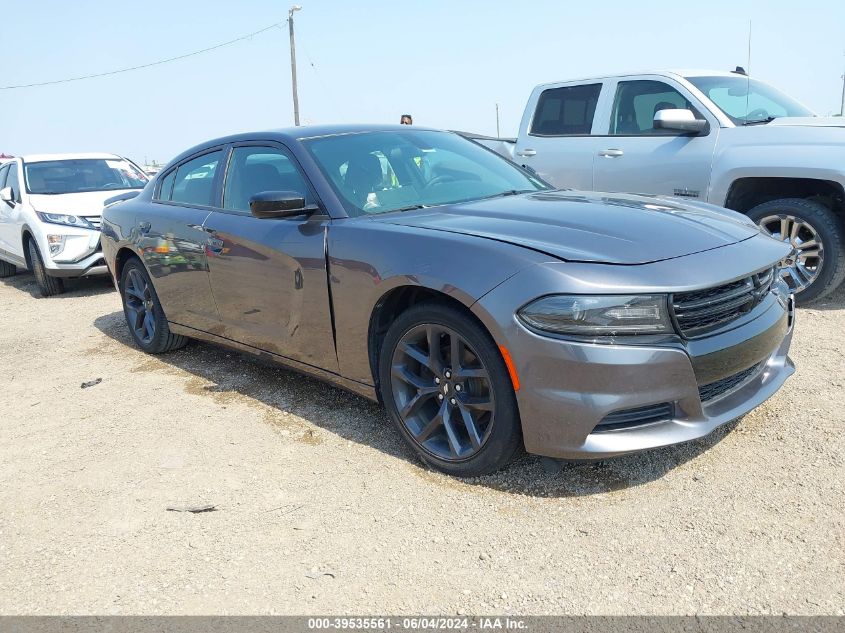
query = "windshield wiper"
{"x": 410, "y": 207}
{"x": 768, "y": 119}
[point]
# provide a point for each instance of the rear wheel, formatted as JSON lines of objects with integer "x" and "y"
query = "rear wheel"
{"x": 816, "y": 265}
{"x": 144, "y": 316}
{"x": 446, "y": 387}
{"x": 48, "y": 286}
{"x": 7, "y": 269}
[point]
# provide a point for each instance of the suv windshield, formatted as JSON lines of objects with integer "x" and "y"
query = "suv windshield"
{"x": 82, "y": 174}
{"x": 746, "y": 100}
{"x": 379, "y": 172}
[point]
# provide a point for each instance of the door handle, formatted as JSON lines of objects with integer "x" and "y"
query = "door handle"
{"x": 527, "y": 152}
{"x": 611, "y": 153}
{"x": 144, "y": 227}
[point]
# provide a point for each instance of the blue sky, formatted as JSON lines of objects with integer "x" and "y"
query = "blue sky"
{"x": 447, "y": 63}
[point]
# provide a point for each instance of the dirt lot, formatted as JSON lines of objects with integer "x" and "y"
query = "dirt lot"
{"x": 320, "y": 509}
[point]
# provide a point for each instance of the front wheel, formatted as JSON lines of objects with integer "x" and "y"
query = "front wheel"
{"x": 816, "y": 265}
{"x": 144, "y": 315}
{"x": 48, "y": 286}
{"x": 446, "y": 386}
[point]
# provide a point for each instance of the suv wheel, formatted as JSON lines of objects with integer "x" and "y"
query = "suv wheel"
{"x": 446, "y": 387}
{"x": 144, "y": 316}
{"x": 7, "y": 269}
{"x": 48, "y": 286}
{"x": 816, "y": 265}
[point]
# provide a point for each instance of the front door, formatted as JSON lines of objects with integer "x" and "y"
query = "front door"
{"x": 637, "y": 158}
{"x": 269, "y": 274}
{"x": 173, "y": 242}
{"x": 11, "y": 215}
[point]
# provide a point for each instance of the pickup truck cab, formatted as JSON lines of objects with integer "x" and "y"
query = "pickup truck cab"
{"x": 717, "y": 137}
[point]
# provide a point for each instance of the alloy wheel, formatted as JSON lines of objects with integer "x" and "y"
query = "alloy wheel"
{"x": 443, "y": 392}
{"x": 802, "y": 266}
{"x": 140, "y": 306}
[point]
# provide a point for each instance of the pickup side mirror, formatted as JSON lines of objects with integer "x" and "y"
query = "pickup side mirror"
{"x": 7, "y": 194}
{"x": 681, "y": 120}
{"x": 278, "y": 204}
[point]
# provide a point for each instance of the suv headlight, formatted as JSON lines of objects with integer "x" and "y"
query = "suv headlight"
{"x": 66, "y": 220}
{"x": 595, "y": 315}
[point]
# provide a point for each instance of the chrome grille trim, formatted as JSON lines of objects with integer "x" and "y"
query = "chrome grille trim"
{"x": 700, "y": 311}
{"x": 95, "y": 220}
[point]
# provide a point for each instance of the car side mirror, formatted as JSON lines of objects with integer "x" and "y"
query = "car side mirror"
{"x": 6, "y": 194}
{"x": 681, "y": 120}
{"x": 278, "y": 204}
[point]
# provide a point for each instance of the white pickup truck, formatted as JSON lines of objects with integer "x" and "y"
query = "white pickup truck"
{"x": 718, "y": 137}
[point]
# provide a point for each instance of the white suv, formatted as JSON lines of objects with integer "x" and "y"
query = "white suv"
{"x": 50, "y": 211}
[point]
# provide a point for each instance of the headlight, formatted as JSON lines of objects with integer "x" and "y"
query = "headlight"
{"x": 67, "y": 220}
{"x": 592, "y": 315}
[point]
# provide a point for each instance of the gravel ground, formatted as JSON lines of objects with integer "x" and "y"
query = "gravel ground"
{"x": 320, "y": 508}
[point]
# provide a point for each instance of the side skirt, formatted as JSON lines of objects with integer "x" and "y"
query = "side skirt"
{"x": 358, "y": 388}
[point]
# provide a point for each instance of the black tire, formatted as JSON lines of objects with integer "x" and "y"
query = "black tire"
{"x": 154, "y": 335}
{"x": 498, "y": 435}
{"x": 48, "y": 286}
{"x": 828, "y": 228}
{"x": 7, "y": 269}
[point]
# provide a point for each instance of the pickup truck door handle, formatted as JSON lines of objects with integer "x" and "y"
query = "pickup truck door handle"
{"x": 611, "y": 153}
{"x": 145, "y": 227}
{"x": 527, "y": 152}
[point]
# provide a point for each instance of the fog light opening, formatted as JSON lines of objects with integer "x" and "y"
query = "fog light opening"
{"x": 56, "y": 244}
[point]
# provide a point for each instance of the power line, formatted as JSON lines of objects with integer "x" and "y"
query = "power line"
{"x": 131, "y": 68}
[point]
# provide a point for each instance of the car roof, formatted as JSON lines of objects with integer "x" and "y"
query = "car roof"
{"x": 303, "y": 132}
{"x": 674, "y": 72}
{"x": 40, "y": 158}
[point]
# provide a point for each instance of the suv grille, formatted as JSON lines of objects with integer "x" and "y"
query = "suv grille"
{"x": 95, "y": 220}
{"x": 700, "y": 311}
{"x": 716, "y": 389}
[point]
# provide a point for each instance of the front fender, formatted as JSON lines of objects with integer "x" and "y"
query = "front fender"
{"x": 367, "y": 260}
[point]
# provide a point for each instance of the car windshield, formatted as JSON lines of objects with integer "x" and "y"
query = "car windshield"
{"x": 379, "y": 172}
{"x": 746, "y": 101}
{"x": 82, "y": 174}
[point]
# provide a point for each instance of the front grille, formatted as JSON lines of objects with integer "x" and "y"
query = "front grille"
{"x": 701, "y": 311}
{"x": 723, "y": 386}
{"x": 628, "y": 418}
{"x": 95, "y": 220}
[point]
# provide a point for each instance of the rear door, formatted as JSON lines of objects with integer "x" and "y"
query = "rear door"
{"x": 269, "y": 274}
{"x": 4, "y": 170}
{"x": 635, "y": 157}
{"x": 556, "y": 135}
{"x": 173, "y": 241}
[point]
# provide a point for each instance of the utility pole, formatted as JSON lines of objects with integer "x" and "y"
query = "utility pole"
{"x": 842, "y": 106}
{"x": 295, "y": 7}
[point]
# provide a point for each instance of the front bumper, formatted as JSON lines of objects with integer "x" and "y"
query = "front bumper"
{"x": 80, "y": 256}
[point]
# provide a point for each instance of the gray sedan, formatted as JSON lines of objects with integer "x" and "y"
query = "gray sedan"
{"x": 488, "y": 312}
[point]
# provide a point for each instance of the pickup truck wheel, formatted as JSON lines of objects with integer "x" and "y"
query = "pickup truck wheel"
{"x": 48, "y": 286}
{"x": 144, "y": 315}
{"x": 446, "y": 386}
{"x": 816, "y": 265}
{"x": 7, "y": 269}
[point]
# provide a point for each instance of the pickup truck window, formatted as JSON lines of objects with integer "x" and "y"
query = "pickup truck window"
{"x": 566, "y": 111}
{"x": 636, "y": 104}
{"x": 746, "y": 100}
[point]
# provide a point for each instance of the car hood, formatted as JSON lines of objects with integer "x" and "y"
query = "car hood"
{"x": 589, "y": 227}
{"x": 808, "y": 121}
{"x": 88, "y": 203}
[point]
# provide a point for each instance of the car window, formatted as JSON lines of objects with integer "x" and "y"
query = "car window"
{"x": 165, "y": 187}
{"x": 637, "y": 102}
{"x": 3, "y": 171}
{"x": 566, "y": 111}
{"x": 746, "y": 100}
{"x": 12, "y": 181}
{"x": 78, "y": 175}
{"x": 256, "y": 169}
{"x": 194, "y": 181}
